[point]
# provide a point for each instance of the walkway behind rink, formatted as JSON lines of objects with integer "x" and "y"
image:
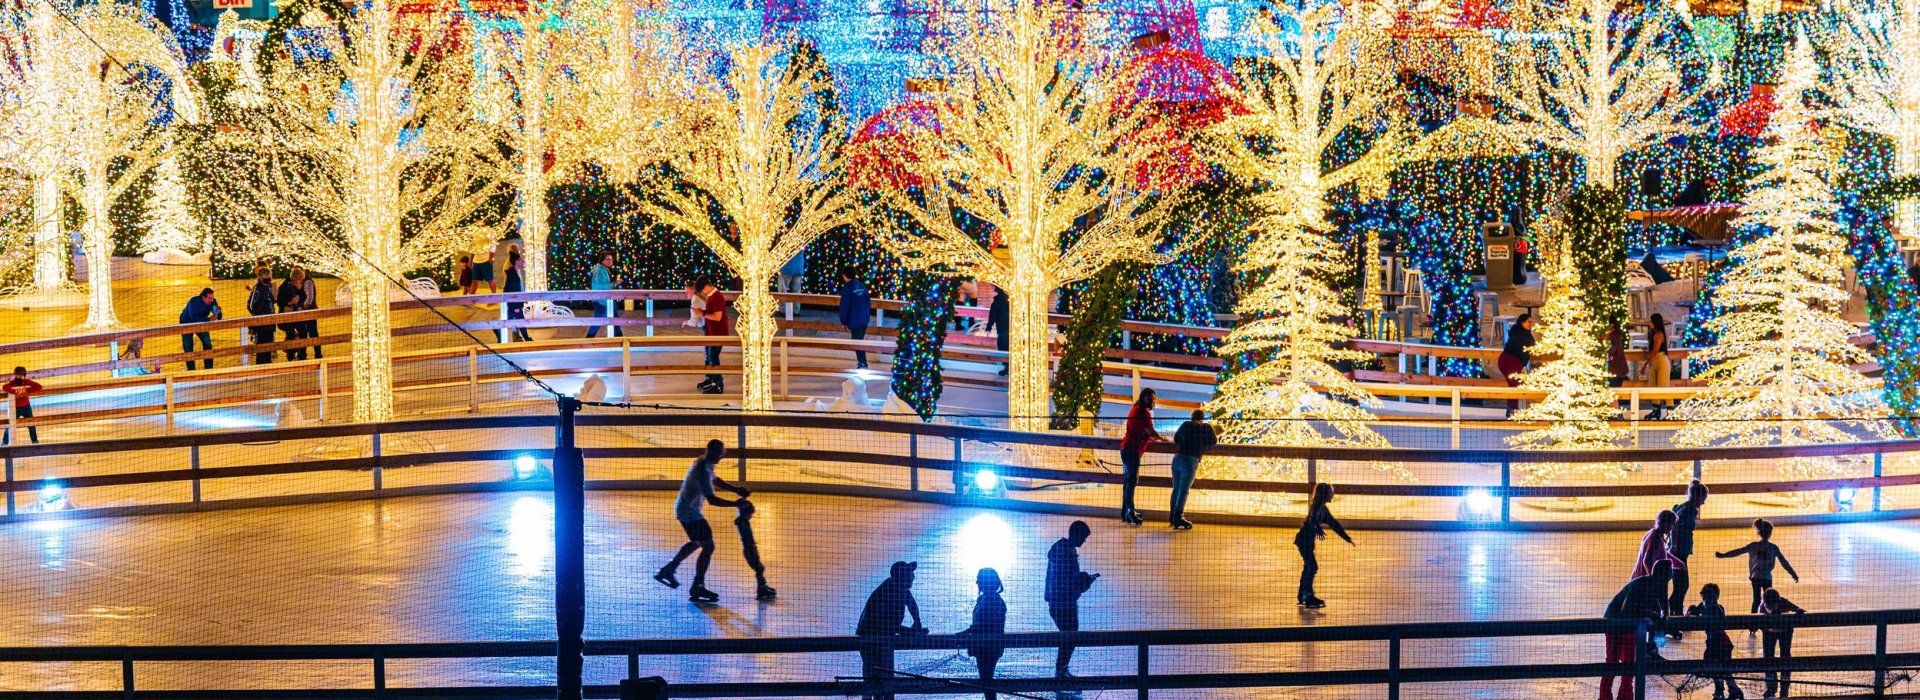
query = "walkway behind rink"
{"x": 479, "y": 567}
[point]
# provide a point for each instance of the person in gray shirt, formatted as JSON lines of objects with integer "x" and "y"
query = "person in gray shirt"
{"x": 696, "y": 491}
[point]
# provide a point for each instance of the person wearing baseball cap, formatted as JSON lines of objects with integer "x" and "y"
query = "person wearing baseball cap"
{"x": 887, "y": 607}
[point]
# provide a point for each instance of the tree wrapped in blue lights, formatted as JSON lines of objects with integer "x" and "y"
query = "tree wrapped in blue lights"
{"x": 1893, "y": 302}
{"x": 1078, "y": 383}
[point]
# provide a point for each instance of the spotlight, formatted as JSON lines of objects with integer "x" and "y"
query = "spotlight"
{"x": 984, "y": 482}
{"x": 54, "y": 498}
{"x": 1479, "y": 506}
{"x": 526, "y": 468}
{"x": 1843, "y": 499}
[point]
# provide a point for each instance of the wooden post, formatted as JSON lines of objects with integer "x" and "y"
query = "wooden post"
{"x": 473, "y": 380}
{"x": 324, "y": 391}
{"x": 169, "y": 393}
{"x": 626, "y": 368}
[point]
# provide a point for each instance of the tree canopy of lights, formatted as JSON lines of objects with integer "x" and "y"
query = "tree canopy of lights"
{"x": 1035, "y": 142}
{"x": 1578, "y": 408}
{"x": 371, "y": 160}
{"x": 92, "y": 118}
{"x": 1782, "y": 373}
{"x": 1594, "y": 84}
{"x": 1298, "y": 100}
{"x": 760, "y": 151}
{"x": 1876, "y": 62}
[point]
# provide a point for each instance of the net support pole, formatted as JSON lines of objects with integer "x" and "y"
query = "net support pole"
{"x": 569, "y": 552}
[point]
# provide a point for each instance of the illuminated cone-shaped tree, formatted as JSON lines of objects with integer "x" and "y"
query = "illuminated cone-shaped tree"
{"x": 92, "y": 123}
{"x": 757, "y": 179}
{"x": 1034, "y": 142}
{"x": 1876, "y": 51}
{"x": 1783, "y": 373}
{"x": 1578, "y": 408}
{"x": 1298, "y": 101}
{"x": 170, "y": 224}
{"x": 1592, "y": 83}
{"x": 368, "y": 165}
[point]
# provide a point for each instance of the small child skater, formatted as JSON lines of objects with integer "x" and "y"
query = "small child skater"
{"x": 1776, "y": 640}
{"x": 750, "y": 548}
{"x": 1760, "y": 558}
{"x": 1719, "y": 645}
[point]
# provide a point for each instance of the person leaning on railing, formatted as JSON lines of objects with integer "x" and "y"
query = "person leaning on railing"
{"x": 260, "y": 303}
{"x": 1643, "y": 598}
{"x": 200, "y": 309}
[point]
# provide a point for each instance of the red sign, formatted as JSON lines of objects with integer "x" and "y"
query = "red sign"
{"x": 232, "y": 4}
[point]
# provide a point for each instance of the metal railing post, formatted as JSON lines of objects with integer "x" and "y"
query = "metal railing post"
{"x": 1698, "y": 468}
{"x": 1140, "y": 672}
{"x": 626, "y": 368}
{"x": 913, "y": 462}
{"x": 1313, "y": 473}
{"x": 784, "y": 392}
{"x": 506, "y": 334}
{"x": 325, "y": 391}
{"x": 1135, "y": 371}
{"x": 379, "y": 675}
{"x": 376, "y": 462}
{"x": 1506, "y": 483}
{"x": 193, "y": 463}
{"x": 1642, "y": 651}
{"x": 9, "y": 485}
{"x": 569, "y": 553}
{"x": 1880, "y": 659}
{"x": 126, "y": 675}
{"x": 473, "y": 380}
{"x": 649, "y": 317}
{"x": 741, "y": 454}
{"x": 633, "y": 666}
{"x": 13, "y": 419}
{"x": 1393, "y": 667}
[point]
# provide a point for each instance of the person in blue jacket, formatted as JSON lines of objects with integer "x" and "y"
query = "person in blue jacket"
{"x": 856, "y": 307}
{"x": 200, "y": 309}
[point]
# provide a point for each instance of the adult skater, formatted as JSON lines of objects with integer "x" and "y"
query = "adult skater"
{"x": 696, "y": 491}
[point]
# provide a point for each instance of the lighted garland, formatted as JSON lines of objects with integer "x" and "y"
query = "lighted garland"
{"x": 923, "y": 333}
{"x": 1893, "y": 302}
{"x": 1079, "y": 381}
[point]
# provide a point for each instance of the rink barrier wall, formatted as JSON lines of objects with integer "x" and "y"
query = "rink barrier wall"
{"x": 644, "y": 655}
{"x": 925, "y": 469}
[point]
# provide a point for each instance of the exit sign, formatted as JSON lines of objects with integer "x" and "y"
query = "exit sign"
{"x": 232, "y": 4}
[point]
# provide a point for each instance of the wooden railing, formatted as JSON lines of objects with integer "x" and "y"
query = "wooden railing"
{"x": 932, "y": 457}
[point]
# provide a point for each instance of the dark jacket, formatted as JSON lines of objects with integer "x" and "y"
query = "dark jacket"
{"x": 291, "y": 297}
{"x": 1642, "y": 598}
{"x": 999, "y": 314}
{"x": 1194, "y": 439}
{"x": 1680, "y": 543}
{"x": 1519, "y": 344}
{"x": 886, "y": 609}
{"x": 1312, "y": 528}
{"x": 1065, "y": 581}
{"x": 856, "y": 307}
{"x": 198, "y": 311}
{"x": 989, "y": 617}
{"x": 260, "y": 298}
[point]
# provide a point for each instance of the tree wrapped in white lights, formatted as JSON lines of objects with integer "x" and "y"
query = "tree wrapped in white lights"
{"x": 1036, "y": 142}
{"x": 1578, "y": 408}
{"x": 369, "y": 165}
{"x": 1585, "y": 81}
{"x": 170, "y": 224}
{"x": 634, "y": 88}
{"x": 1876, "y": 53}
{"x": 1299, "y": 98}
{"x": 1782, "y": 373}
{"x": 91, "y": 122}
{"x": 760, "y": 151}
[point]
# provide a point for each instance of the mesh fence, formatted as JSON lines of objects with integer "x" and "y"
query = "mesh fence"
{"x": 253, "y": 512}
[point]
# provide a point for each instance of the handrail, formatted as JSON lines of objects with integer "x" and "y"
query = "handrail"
{"x": 1393, "y": 674}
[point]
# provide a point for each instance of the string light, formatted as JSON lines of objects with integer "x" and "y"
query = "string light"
{"x": 1877, "y": 90}
{"x": 1782, "y": 373}
{"x": 1578, "y": 408}
{"x": 169, "y": 224}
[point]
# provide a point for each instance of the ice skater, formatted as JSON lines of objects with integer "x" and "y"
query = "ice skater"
{"x": 750, "y": 548}
{"x": 1066, "y": 582}
{"x": 1776, "y": 640}
{"x": 1193, "y": 439}
{"x": 696, "y": 491}
{"x": 989, "y": 617}
{"x": 22, "y": 389}
{"x": 1133, "y": 446}
{"x": 1761, "y": 555}
{"x": 889, "y": 605}
{"x": 1719, "y": 645}
{"x": 1643, "y": 598}
{"x": 1653, "y": 546}
{"x": 1680, "y": 546}
{"x": 1312, "y": 530}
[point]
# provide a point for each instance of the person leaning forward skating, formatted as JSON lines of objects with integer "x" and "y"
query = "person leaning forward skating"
{"x": 696, "y": 491}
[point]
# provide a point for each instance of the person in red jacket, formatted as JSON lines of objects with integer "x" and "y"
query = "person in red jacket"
{"x": 1140, "y": 433}
{"x": 20, "y": 387}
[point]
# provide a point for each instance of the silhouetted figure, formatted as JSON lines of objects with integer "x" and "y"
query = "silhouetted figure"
{"x": 1653, "y": 546}
{"x": 887, "y": 607}
{"x": 1133, "y": 446}
{"x": 260, "y": 302}
{"x": 22, "y": 390}
{"x": 1680, "y": 546}
{"x": 1312, "y": 530}
{"x": 856, "y": 309}
{"x": 1761, "y": 556}
{"x": 1693, "y": 195}
{"x": 1191, "y": 441}
{"x": 696, "y": 491}
{"x": 999, "y": 316}
{"x": 516, "y": 282}
{"x": 1643, "y": 598}
{"x": 1719, "y": 645}
{"x": 989, "y": 617}
{"x": 1065, "y": 584}
{"x": 1617, "y": 367}
{"x": 750, "y": 548}
{"x": 1515, "y": 355}
{"x": 1776, "y": 640}
{"x": 713, "y": 321}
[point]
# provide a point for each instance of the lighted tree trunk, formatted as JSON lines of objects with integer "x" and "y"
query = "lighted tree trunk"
{"x": 533, "y": 224}
{"x": 1027, "y": 355}
{"x": 97, "y": 238}
{"x": 50, "y": 255}
{"x": 756, "y": 327}
{"x": 372, "y": 346}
